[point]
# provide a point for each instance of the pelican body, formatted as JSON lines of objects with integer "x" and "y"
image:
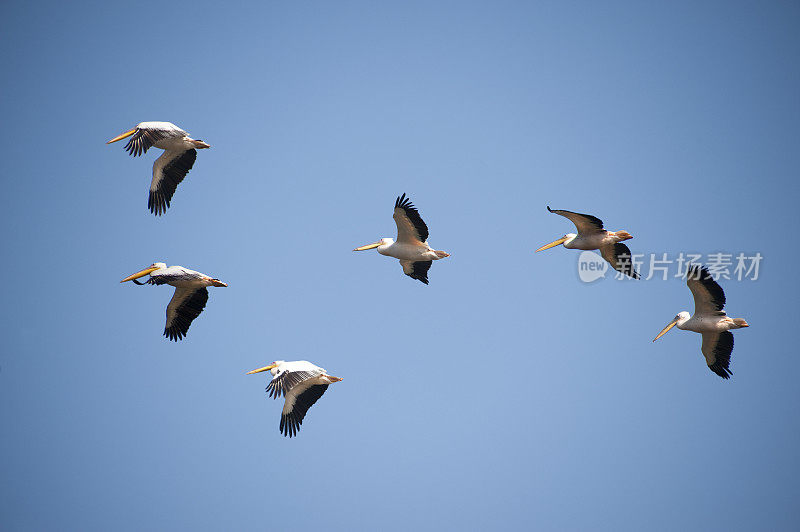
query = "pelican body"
{"x": 406, "y": 251}
{"x": 709, "y": 320}
{"x": 190, "y": 295}
{"x": 411, "y": 247}
{"x": 591, "y": 235}
{"x": 180, "y": 152}
{"x": 302, "y": 384}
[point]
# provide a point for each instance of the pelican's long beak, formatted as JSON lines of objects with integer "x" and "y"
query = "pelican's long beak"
{"x": 139, "y": 274}
{"x": 259, "y": 370}
{"x": 123, "y": 136}
{"x": 666, "y": 329}
{"x": 369, "y": 246}
{"x": 552, "y": 244}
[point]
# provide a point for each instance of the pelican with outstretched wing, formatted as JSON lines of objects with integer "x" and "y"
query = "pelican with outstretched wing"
{"x": 180, "y": 152}
{"x": 302, "y": 384}
{"x": 189, "y": 299}
{"x": 709, "y": 320}
{"x": 591, "y": 235}
{"x": 411, "y": 247}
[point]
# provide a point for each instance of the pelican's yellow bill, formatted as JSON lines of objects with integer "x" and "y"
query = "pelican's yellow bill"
{"x": 124, "y": 135}
{"x": 666, "y": 329}
{"x": 259, "y": 370}
{"x": 368, "y": 246}
{"x": 139, "y": 274}
{"x": 552, "y": 244}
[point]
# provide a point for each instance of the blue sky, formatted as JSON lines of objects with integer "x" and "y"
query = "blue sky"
{"x": 506, "y": 394}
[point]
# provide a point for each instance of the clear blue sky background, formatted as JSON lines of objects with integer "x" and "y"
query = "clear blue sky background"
{"x": 506, "y": 394}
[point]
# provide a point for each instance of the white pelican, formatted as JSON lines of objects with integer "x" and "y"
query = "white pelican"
{"x": 412, "y": 246}
{"x": 591, "y": 235}
{"x": 189, "y": 299}
{"x": 180, "y": 152}
{"x": 302, "y": 383}
{"x": 709, "y": 319}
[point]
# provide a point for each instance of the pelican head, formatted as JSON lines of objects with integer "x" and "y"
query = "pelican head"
{"x": 199, "y": 144}
{"x": 621, "y": 236}
{"x": 381, "y": 242}
{"x": 272, "y": 368}
{"x": 150, "y": 269}
{"x": 678, "y": 320}
{"x": 566, "y": 239}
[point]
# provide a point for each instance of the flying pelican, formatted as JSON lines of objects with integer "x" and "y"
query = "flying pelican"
{"x": 302, "y": 384}
{"x": 189, "y": 299}
{"x": 709, "y": 319}
{"x": 412, "y": 248}
{"x": 591, "y": 235}
{"x": 180, "y": 152}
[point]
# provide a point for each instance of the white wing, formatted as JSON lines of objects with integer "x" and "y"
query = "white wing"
{"x": 709, "y": 299}
{"x": 618, "y": 255}
{"x": 186, "y": 304}
{"x": 174, "y": 275}
{"x": 148, "y": 133}
{"x": 290, "y": 375}
{"x": 417, "y": 270}
{"x": 410, "y": 227}
{"x": 585, "y": 223}
{"x": 717, "y": 348}
{"x": 298, "y": 401}
{"x": 168, "y": 171}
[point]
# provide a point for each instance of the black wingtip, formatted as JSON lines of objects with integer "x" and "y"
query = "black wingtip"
{"x": 404, "y": 202}
{"x": 423, "y": 278}
{"x": 698, "y": 272}
{"x": 722, "y": 371}
{"x": 157, "y": 203}
{"x": 722, "y": 355}
{"x": 174, "y": 334}
{"x": 695, "y": 272}
{"x": 549, "y": 209}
